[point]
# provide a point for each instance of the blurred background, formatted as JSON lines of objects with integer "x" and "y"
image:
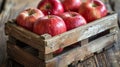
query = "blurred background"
{"x": 9, "y": 9}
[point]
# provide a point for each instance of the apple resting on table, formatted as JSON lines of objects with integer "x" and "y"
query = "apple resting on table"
{"x": 28, "y": 17}
{"x": 51, "y": 7}
{"x": 92, "y": 10}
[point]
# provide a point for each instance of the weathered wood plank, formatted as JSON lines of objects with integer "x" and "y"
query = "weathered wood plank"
{"x": 100, "y": 59}
{"x": 80, "y": 53}
{"x": 89, "y": 63}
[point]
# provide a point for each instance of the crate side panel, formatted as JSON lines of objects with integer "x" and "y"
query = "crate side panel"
{"x": 25, "y": 36}
{"x": 23, "y": 57}
{"x": 80, "y": 33}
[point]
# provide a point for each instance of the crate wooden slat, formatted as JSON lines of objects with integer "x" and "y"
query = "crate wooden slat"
{"x": 49, "y": 44}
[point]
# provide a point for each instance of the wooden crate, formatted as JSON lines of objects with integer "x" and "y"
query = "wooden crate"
{"x": 32, "y": 50}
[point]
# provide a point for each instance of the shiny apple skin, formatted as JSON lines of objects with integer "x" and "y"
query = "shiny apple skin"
{"x": 91, "y": 13}
{"x": 51, "y": 7}
{"x": 71, "y": 5}
{"x": 58, "y": 51}
{"x": 50, "y": 24}
{"x": 73, "y": 20}
{"x": 26, "y": 20}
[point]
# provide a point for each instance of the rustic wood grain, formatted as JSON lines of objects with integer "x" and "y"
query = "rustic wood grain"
{"x": 25, "y": 36}
{"x": 100, "y": 59}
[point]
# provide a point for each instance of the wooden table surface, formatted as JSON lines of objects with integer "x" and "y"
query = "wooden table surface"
{"x": 13, "y": 7}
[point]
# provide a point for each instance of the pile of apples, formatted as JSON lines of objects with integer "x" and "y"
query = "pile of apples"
{"x": 57, "y": 16}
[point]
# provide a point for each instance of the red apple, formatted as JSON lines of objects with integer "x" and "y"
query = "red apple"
{"x": 71, "y": 4}
{"x": 58, "y": 51}
{"x": 50, "y": 24}
{"x": 73, "y": 20}
{"x": 51, "y": 7}
{"x": 92, "y": 10}
{"x": 28, "y": 17}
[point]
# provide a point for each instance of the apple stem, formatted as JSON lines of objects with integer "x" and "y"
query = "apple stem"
{"x": 31, "y": 12}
